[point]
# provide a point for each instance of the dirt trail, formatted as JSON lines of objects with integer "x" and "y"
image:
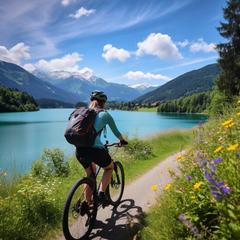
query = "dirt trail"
{"x": 118, "y": 223}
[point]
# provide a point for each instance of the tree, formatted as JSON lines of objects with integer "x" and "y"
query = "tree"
{"x": 228, "y": 81}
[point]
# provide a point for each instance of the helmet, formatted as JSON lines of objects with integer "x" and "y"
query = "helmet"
{"x": 98, "y": 95}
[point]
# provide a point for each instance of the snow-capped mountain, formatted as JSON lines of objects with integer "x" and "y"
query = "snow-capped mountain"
{"x": 84, "y": 83}
{"x": 143, "y": 87}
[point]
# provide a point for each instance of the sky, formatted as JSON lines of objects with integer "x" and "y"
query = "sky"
{"x": 121, "y": 41}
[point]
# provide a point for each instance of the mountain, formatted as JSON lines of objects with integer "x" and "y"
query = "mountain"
{"x": 82, "y": 84}
{"x": 143, "y": 87}
{"x": 14, "y": 76}
{"x": 195, "y": 81}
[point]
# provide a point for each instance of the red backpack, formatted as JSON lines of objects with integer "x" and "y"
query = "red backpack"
{"x": 80, "y": 131}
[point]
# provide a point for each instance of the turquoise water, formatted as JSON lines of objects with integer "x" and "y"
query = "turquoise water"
{"x": 24, "y": 134}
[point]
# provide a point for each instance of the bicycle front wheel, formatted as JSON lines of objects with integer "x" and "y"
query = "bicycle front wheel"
{"x": 78, "y": 216}
{"x": 115, "y": 187}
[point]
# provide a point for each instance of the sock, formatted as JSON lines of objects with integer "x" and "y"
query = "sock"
{"x": 101, "y": 194}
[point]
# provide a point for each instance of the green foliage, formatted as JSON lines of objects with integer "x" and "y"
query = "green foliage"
{"x": 196, "y": 103}
{"x": 203, "y": 201}
{"x": 81, "y": 104}
{"x": 197, "y": 81}
{"x": 12, "y": 100}
{"x": 51, "y": 162}
{"x": 52, "y": 103}
{"x": 228, "y": 81}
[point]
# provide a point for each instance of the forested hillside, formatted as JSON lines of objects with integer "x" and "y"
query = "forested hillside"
{"x": 12, "y": 100}
{"x": 197, "y": 81}
{"x": 51, "y": 103}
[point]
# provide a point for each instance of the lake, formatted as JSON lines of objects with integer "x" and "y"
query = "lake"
{"x": 24, "y": 134}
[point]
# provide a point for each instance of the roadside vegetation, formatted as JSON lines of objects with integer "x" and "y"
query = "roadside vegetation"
{"x": 31, "y": 205}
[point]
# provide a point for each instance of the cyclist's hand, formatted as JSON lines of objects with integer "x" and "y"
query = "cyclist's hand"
{"x": 123, "y": 142}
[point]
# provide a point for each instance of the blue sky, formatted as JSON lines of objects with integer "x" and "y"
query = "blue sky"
{"x": 122, "y": 41}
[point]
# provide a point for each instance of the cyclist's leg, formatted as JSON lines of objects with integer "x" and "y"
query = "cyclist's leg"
{"x": 88, "y": 192}
{"x": 106, "y": 177}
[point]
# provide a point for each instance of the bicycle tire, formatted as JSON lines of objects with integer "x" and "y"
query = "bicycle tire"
{"x": 77, "y": 221}
{"x": 115, "y": 188}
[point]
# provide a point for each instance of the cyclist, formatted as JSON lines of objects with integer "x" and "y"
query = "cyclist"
{"x": 97, "y": 153}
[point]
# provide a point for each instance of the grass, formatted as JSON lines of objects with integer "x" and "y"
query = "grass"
{"x": 31, "y": 205}
{"x": 203, "y": 202}
{"x": 148, "y": 109}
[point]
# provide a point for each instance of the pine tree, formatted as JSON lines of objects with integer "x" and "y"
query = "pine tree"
{"x": 228, "y": 81}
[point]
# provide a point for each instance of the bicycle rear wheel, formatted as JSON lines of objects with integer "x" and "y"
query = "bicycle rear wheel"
{"x": 78, "y": 216}
{"x": 115, "y": 187}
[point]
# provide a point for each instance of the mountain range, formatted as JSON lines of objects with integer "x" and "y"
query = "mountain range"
{"x": 83, "y": 84}
{"x": 196, "y": 81}
{"x": 73, "y": 87}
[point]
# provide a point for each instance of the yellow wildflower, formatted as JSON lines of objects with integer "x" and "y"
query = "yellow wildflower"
{"x": 197, "y": 185}
{"x": 226, "y": 123}
{"x": 193, "y": 197}
{"x": 230, "y": 125}
{"x": 14, "y": 195}
{"x": 179, "y": 156}
{"x": 233, "y": 147}
{"x": 174, "y": 160}
{"x": 238, "y": 101}
{"x": 154, "y": 199}
{"x": 154, "y": 188}
{"x": 23, "y": 194}
{"x": 5, "y": 174}
{"x": 160, "y": 171}
{"x": 218, "y": 149}
{"x": 168, "y": 186}
{"x": 159, "y": 205}
{"x": 238, "y": 114}
{"x": 167, "y": 167}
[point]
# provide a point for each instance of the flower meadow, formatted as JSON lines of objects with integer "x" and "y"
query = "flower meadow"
{"x": 203, "y": 200}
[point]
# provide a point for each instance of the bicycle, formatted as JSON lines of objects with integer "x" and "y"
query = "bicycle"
{"x": 79, "y": 216}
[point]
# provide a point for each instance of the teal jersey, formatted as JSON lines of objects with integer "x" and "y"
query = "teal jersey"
{"x": 102, "y": 119}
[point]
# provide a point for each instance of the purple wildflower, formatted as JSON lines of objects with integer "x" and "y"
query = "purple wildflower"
{"x": 217, "y": 160}
{"x": 188, "y": 178}
{"x": 238, "y": 154}
{"x": 192, "y": 228}
{"x": 200, "y": 124}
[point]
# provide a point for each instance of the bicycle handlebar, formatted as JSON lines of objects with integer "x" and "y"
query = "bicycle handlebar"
{"x": 116, "y": 144}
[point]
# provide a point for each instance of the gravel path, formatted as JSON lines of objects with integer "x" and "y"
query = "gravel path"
{"x": 118, "y": 223}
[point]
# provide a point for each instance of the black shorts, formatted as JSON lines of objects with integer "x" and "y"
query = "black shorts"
{"x": 98, "y": 155}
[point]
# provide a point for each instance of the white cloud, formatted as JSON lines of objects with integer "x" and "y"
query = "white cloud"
{"x": 113, "y": 53}
{"x": 65, "y": 2}
{"x": 202, "y": 46}
{"x": 160, "y": 45}
{"x": 82, "y": 11}
{"x": 66, "y": 63}
{"x": 183, "y": 44}
{"x": 15, "y": 54}
{"x": 29, "y": 67}
{"x": 140, "y": 75}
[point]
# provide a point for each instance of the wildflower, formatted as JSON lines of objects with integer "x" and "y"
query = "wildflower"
{"x": 233, "y": 147}
{"x": 230, "y": 125}
{"x": 167, "y": 167}
{"x": 159, "y": 205}
{"x": 5, "y": 174}
{"x": 218, "y": 149}
{"x": 193, "y": 197}
{"x": 160, "y": 171}
{"x": 180, "y": 156}
{"x": 238, "y": 114}
{"x": 217, "y": 160}
{"x": 154, "y": 199}
{"x": 238, "y": 101}
{"x": 226, "y": 123}
{"x": 213, "y": 200}
{"x": 197, "y": 185}
{"x": 23, "y": 194}
{"x": 154, "y": 188}
{"x": 188, "y": 178}
{"x": 168, "y": 186}
{"x": 190, "y": 225}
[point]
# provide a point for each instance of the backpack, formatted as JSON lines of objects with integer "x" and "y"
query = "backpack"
{"x": 80, "y": 131}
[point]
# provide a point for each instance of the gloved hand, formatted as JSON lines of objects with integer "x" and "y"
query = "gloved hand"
{"x": 123, "y": 142}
